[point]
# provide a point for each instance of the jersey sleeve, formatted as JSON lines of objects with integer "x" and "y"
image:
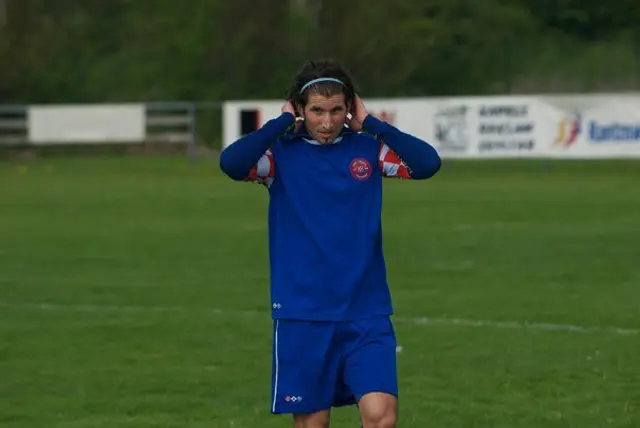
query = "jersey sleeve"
{"x": 264, "y": 171}
{"x": 391, "y": 164}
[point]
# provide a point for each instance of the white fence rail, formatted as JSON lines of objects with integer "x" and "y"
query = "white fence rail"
{"x": 37, "y": 125}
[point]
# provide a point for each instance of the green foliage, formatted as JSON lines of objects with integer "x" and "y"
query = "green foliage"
{"x": 143, "y": 50}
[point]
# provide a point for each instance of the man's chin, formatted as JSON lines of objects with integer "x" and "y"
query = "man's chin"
{"x": 326, "y": 139}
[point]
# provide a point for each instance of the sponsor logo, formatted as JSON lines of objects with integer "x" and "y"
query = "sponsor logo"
{"x": 615, "y": 132}
{"x": 569, "y": 129}
{"x": 504, "y": 111}
{"x": 596, "y": 132}
{"x": 508, "y": 146}
{"x": 505, "y": 128}
{"x": 452, "y": 129}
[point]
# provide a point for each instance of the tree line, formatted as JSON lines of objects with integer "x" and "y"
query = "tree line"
{"x": 163, "y": 50}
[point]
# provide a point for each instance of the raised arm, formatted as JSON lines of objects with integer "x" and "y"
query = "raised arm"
{"x": 247, "y": 158}
{"x": 404, "y": 155}
{"x": 391, "y": 165}
{"x": 413, "y": 157}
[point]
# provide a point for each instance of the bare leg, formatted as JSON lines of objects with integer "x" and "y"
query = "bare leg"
{"x": 378, "y": 410}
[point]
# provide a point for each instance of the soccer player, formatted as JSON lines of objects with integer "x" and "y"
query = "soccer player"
{"x": 323, "y": 160}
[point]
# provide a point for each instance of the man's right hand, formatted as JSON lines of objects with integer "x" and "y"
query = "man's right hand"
{"x": 287, "y": 107}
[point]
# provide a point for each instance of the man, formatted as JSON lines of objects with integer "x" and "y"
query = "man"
{"x": 333, "y": 340}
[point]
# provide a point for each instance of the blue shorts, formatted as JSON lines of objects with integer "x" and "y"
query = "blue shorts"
{"x": 319, "y": 365}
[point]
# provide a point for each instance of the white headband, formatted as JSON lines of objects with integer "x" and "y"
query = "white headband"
{"x": 321, "y": 79}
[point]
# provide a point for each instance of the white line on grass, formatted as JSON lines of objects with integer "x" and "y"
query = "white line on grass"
{"x": 427, "y": 321}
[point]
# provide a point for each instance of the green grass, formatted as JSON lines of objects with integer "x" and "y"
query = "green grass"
{"x": 111, "y": 271}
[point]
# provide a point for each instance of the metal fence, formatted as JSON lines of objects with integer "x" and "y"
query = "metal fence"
{"x": 167, "y": 123}
{"x": 13, "y": 125}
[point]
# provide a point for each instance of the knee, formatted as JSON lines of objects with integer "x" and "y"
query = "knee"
{"x": 384, "y": 418}
{"x": 316, "y": 420}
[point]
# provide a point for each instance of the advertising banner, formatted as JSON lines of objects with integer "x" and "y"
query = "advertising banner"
{"x": 101, "y": 123}
{"x": 491, "y": 127}
{"x": 609, "y": 130}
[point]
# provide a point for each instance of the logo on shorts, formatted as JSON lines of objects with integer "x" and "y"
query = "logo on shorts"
{"x": 360, "y": 169}
{"x": 292, "y": 398}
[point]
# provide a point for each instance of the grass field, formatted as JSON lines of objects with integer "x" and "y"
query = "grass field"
{"x": 134, "y": 293}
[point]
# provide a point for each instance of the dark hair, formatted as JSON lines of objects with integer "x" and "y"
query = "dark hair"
{"x": 314, "y": 69}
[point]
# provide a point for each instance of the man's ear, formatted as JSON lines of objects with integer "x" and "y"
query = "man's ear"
{"x": 300, "y": 110}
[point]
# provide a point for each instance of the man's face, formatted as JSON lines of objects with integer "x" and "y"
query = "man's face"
{"x": 325, "y": 116}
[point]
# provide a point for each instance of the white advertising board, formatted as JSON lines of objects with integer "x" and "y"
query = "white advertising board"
{"x": 407, "y": 114}
{"x": 119, "y": 123}
{"x": 611, "y": 129}
{"x": 495, "y": 127}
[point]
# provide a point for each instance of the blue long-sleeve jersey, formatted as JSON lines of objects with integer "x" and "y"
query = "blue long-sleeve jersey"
{"x": 325, "y": 233}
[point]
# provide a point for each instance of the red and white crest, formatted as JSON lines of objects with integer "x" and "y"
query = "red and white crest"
{"x": 360, "y": 169}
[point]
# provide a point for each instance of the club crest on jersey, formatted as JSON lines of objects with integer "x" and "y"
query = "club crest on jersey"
{"x": 360, "y": 169}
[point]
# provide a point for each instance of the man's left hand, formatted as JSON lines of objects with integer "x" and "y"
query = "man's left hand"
{"x": 358, "y": 114}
